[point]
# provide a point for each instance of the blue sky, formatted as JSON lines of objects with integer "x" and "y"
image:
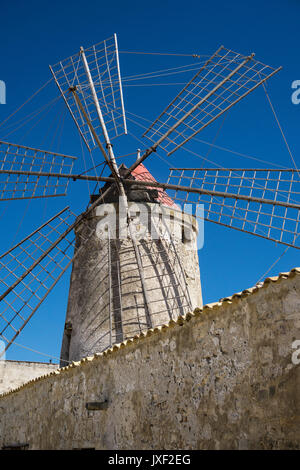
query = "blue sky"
{"x": 34, "y": 34}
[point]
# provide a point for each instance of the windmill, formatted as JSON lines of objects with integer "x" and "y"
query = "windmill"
{"x": 131, "y": 273}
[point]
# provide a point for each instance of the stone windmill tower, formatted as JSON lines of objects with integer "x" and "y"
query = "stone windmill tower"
{"x": 133, "y": 252}
{"x": 121, "y": 286}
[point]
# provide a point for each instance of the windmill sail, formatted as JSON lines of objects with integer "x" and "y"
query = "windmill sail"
{"x": 19, "y": 172}
{"x": 30, "y": 270}
{"x": 225, "y": 79}
{"x": 100, "y": 67}
{"x": 262, "y": 202}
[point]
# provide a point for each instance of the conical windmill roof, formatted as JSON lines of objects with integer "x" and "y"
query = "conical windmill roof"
{"x": 138, "y": 194}
{"x": 141, "y": 173}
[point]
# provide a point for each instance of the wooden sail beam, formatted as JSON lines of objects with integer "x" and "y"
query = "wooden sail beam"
{"x": 157, "y": 184}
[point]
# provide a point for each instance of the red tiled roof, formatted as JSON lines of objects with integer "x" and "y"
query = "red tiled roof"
{"x": 142, "y": 174}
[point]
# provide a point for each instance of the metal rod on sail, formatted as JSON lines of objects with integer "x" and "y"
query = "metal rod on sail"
{"x": 205, "y": 98}
{"x": 186, "y": 86}
{"x": 108, "y": 160}
{"x": 41, "y": 300}
{"x": 34, "y": 232}
{"x": 157, "y": 184}
{"x": 115, "y": 171}
{"x": 224, "y": 111}
{"x": 166, "y": 134}
{"x": 69, "y": 108}
{"x": 46, "y": 252}
{"x": 101, "y": 120}
{"x": 120, "y": 84}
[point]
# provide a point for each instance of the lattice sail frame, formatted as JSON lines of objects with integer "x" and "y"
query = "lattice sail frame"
{"x": 103, "y": 63}
{"x": 31, "y": 161}
{"x": 31, "y": 269}
{"x": 262, "y": 202}
{"x": 225, "y": 79}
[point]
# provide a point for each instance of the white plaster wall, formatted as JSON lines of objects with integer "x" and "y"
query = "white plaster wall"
{"x": 15, "y": 373}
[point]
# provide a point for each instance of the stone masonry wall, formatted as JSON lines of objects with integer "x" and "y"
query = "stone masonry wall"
{"x": 221, "y": 378}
